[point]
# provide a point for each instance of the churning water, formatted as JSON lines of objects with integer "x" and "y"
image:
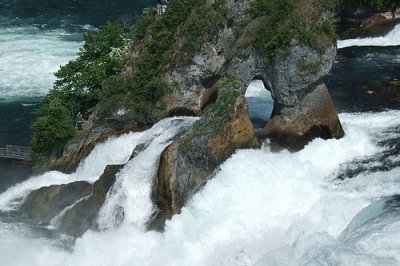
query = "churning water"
{"x": 261, "y": 208}
{"x": 333, "y": 203}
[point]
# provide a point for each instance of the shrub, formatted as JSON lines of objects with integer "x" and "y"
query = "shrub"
{"x": 279, "y": 22}
{"x": 78, "y": 86}
{"x": 53, "y": 128}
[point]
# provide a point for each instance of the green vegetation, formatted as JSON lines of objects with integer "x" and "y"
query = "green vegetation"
{"x": 156, "y": 44}
{"x": 53, "y": 128}
{"x": 309, "y": 68}
{"x": 213, "y": 121}
{"x": 218, "y": 112}
{"x": 275, "y": 23}
{"x": 94, "y": 78}
{"x": 78, "y": 86}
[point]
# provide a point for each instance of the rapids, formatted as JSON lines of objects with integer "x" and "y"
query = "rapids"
{"x": 391, "y": 39}
{"x": 261, "y": 208}
{"x": 333, "y": 203}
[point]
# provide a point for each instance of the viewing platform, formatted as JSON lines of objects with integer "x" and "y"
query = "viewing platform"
{"x": 14, "y": 152}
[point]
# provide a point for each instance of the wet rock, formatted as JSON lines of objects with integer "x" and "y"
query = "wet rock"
{"x": 189, "y": 161}
{"x": 43, "y": 204}
{"x": 122, "y": 122}
{"x": 81, "y": 217}
{"x": 315, "y": 116}
{"x": 369, "y": 23}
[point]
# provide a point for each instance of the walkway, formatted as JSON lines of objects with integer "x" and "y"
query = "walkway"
{"x": 16, "y": 152}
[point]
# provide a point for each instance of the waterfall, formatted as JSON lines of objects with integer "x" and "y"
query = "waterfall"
{"x": 261, "y": 208}
{"x": 390, "y": 39}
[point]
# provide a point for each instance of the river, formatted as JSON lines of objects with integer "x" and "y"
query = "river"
{"x": 333, "y": 203}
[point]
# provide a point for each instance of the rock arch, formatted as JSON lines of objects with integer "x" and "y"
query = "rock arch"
{"x": 260, "y": 103}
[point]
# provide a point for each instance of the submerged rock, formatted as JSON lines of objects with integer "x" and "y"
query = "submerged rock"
{"x": 75, "y": 206}
{"x": 45, "y": 203}
{"x": 189, "y": 161}
{"x": 315, "y": 116}
{"x": 81, "y": 217}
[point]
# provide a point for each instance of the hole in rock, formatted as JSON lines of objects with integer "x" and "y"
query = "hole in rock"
{"x": 260, "y": 102}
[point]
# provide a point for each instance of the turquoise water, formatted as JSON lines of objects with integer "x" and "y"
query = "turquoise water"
{"x": 36, "y": 37}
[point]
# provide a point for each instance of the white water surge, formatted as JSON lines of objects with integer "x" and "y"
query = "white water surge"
{"x": 391, "y": 39}
{"x": 262, "y": 208}
{"x": 28, "y": 58}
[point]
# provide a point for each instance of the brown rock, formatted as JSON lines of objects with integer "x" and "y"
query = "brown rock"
{"x": 314, "y": 116}
{"x": 81, "y": 147}
{"x": 189, "y": 162}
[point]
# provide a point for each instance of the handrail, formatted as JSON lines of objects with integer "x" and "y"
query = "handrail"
{"x": 16, "y": 152}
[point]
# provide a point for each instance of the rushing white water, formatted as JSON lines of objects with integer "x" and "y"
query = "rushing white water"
{"x": 28, "y": 58}
{"x": 391, "y": 39}
{"x": 261, "y": 208}
{"x": 55, "y": 222}
{"x": 113, "y": 151}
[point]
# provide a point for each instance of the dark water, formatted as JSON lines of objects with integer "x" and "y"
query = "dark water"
{"x": 365, "y": 79}
{"x": 16, "y": 118}
{"x": 73, "y": 17}
{"x": 69, "y": 13}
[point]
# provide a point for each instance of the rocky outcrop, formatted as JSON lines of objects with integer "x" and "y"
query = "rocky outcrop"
{"x": 364, "y": 21}
{"x": 45, "y": 203}
{"x": 81, "y": 217}
{"x": 120, "y": 123}
{"x": 189, "y": 161}
{"x": 74, "y": 206}
{"x": 303, "y": 108}
{"x": 314, "y": 116}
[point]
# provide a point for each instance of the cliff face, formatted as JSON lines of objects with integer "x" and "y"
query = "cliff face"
{"x": 303, "y": 108}
{"x": 210, "y": 65}
{"x": 225, "y": 64}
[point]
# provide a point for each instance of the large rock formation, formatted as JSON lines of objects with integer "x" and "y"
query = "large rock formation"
{"x": 303, "y": 108}
{"x": 82, "y": 216}
{"x": 290, "y": 79}
{"x": 211, "y": 82}
{"x": 315, "y": 115}
{"x": 189, "y": 161}
{"x": 72, "y": 207}
{"x": 45, "y": 203}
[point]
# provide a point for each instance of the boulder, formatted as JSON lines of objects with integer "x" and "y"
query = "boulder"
{"x": 45, "y": 203}
{"x": 315, "y": 116}
{"x": 81, "y": 217}
{"x": 189, "y": 161}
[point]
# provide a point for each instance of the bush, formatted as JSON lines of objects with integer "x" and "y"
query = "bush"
{"x": 53, "y": 128}
{"x": 279, "y": 22}
{"x": 79, "y": 85}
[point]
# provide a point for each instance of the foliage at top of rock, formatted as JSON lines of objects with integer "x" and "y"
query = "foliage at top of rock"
{"x": 129, "y": 67}
{"x": 274, "y": 24}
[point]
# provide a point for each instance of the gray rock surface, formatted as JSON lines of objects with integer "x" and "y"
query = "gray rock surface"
{"x": 314, "y": 116}
{"x": 189, "y": 161}
{"x": 45, "y": 203}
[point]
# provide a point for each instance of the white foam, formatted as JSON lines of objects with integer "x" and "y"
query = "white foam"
{"x": 113, "y": 151}
{"x": 262, "y": 208}
{"x": 257, "y": 89}
{"x": 391, "y": 39}
{"x": 28, "y": 58}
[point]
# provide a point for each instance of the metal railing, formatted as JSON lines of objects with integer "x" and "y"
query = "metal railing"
{"x": 16, "y": 152}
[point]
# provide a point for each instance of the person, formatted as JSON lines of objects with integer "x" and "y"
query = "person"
{"x": 393, "y": 10}
{"x": 159, "y": 8}
{"x": 79, "y": 121}
{"x": 79, "y": 117}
